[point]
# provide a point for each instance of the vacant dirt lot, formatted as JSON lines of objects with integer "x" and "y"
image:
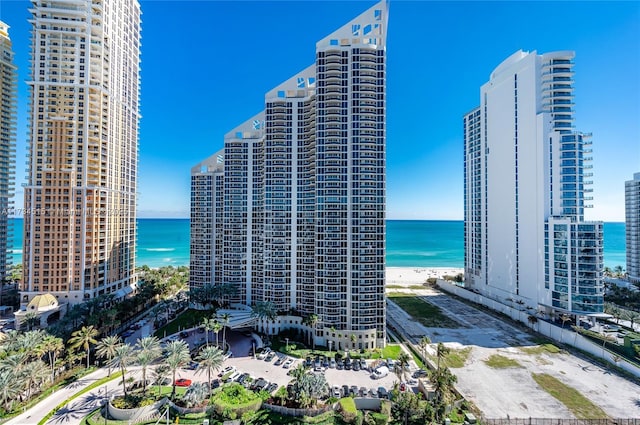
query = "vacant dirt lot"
{"x": 512, "y": 392}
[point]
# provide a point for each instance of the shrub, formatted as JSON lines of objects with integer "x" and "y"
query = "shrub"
{"x": 234, "y": 400}
{"x": 348, "y": 410}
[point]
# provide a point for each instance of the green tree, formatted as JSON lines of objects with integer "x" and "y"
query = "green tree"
{"x": 177, "y": 355}
{"x": 403, "y": 364}
{"x": 10, "y": 389}
{"x": 441, "y": 353}
{"x": 106, "y": 349}
{"x": 124, "y": 357}
{"x": 224, "y": 320}
{"x": 31, "y": 321}
{"x": 51, "y": 347}
{"x": 85, "y": 337}
{"x": 149, "y": 350}
{"x": 210, "y": 358}
{"x": 312, "y": 321}
{"x": 423, "y": 345}
{"x": 208, "y": 324}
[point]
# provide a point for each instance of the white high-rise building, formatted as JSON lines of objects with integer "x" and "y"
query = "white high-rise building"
{"x": 632, "y": 219}
{"x": 80, "y": 199}
{"x": 305, "y": 192}
{"x": 8, "y": 87}
{"x": 526, "y": 176}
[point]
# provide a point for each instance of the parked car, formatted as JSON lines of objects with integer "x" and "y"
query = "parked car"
{"x": 335, "y": 392}
{"x": 264, "y": 353}
{"x": 183, "y": 382}
{"x": 325, "y": 362}
{"x": 380, "y": 372}
{"x": 362, "y": 392}
{"x": 215, "y": 383}
{"x": 353, "y": 390}
{"x": 232, "y": 377}
{"x": 184, "y": 334}
{"x": 363, "y": 364}
{"x": 226, "y": 370}
{"x": 269, "y": 356}
{"x": 382, "y": 392}
{"x": 308, "y": 362}
{"x": 420, "y": 373}
{"x": 287, "y": 364}
{"x": 345, "y": 391}
{"x": 193, "y": 365}
{"x": 332, "y": 363}
{"x": 356, "y": 365}
{"x": 127, "y": 333}
{"x": 271, "y": 387}
{"x": 281, "y": 359}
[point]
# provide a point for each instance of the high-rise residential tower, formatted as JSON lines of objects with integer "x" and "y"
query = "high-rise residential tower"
{"x": 207, "y": 196}
{"x": 632, "y": 219}
{"x": 8, "y": 78}
{"x": 305, "y": 193}
{"x": 80, "y": 199}
{"x": 526, "y": 176}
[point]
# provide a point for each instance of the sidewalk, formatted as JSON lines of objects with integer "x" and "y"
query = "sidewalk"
{"x": 77, "y": 409}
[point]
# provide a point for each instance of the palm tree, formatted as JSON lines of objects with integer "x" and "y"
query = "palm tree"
{"x": 224, "y": 320}
{"x": 106, "y": 349}
{"x": 10, "y": 389}
{"x": 352, "y": 337}
{"x": 631, "y": 316}
{"x": 177, "y": 355}
{"x": 150, "y": 350}
{"x": 196, "y": 394}
{"x": 122, "y": 358}
{"x": 264, "y": 310}
{"x": 84, "y": 338}
{"x": 208, "y": 323}
{"x": 217, "y": 327}
{"x": 161, "y": 372}
{"x": 210, "y": 358}
{"x": 51, "y": 346}
{"x": 312, "y": 321}
{"x": 441, "y": 353}
{"x": 403, "y": 363}
{"x": 31, "y": 320}
{"x": 423, "y": 345}
{"x": 33, "y": 375}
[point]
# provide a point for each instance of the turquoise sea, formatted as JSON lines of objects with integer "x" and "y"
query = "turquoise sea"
{"x": 410, "y": 243}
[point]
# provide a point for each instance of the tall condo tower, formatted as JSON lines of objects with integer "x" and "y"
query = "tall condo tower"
{"x": 305, "y": 193}
{"x": 8, "y": 78}
{"x": 632, "y": 219}
{"x": 526, "y": 176}
{"x": 80, "y": 199}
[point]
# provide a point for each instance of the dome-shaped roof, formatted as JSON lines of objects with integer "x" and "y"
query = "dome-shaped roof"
{"x": 42, "y": 302}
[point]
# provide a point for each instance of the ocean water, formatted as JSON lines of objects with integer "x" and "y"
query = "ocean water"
{"x": 410, "y": 243}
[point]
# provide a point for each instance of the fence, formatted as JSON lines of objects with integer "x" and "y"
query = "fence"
{"x": 549, "y": 421}
{"x": 296, "y": 412}
{"x": 565, "y": 336}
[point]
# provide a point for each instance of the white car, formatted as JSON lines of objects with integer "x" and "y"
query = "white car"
{"x": 226, "y": 370}
{"x": 287, "y": 364}
{"x": 264, "y": 353}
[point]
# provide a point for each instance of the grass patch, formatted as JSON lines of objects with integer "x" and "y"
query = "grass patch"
{"x": 187, "y": 319}
{"x": 541, "y": 349}
{"x": 578, "y": 404}
{"x": 455, "y": 358}
{"x": 427, "y": 314}
{"x": 497, "y": 361}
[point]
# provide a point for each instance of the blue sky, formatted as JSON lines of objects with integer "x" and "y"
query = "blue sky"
{"x": 207, "y": 64}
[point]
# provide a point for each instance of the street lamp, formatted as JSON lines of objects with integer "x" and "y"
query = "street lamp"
{"x": 287, "y": 341}
{"x": 330, "y": 342}
{"x": 106, "y": 407}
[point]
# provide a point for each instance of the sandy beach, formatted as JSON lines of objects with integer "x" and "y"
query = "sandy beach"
{"x": 417, "y": 275}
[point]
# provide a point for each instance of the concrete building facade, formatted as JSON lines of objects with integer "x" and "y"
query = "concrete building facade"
{"x": 305, "y": 192}
{"x": 80, "y": 195}
{"x": 8, "y": 88}
{"x": 526, "y": 177}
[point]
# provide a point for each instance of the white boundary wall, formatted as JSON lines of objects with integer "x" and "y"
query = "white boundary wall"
{"x": 565, "y": 336}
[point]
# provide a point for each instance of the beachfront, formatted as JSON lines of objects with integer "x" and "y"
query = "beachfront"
{"x": 408, "y": 276}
